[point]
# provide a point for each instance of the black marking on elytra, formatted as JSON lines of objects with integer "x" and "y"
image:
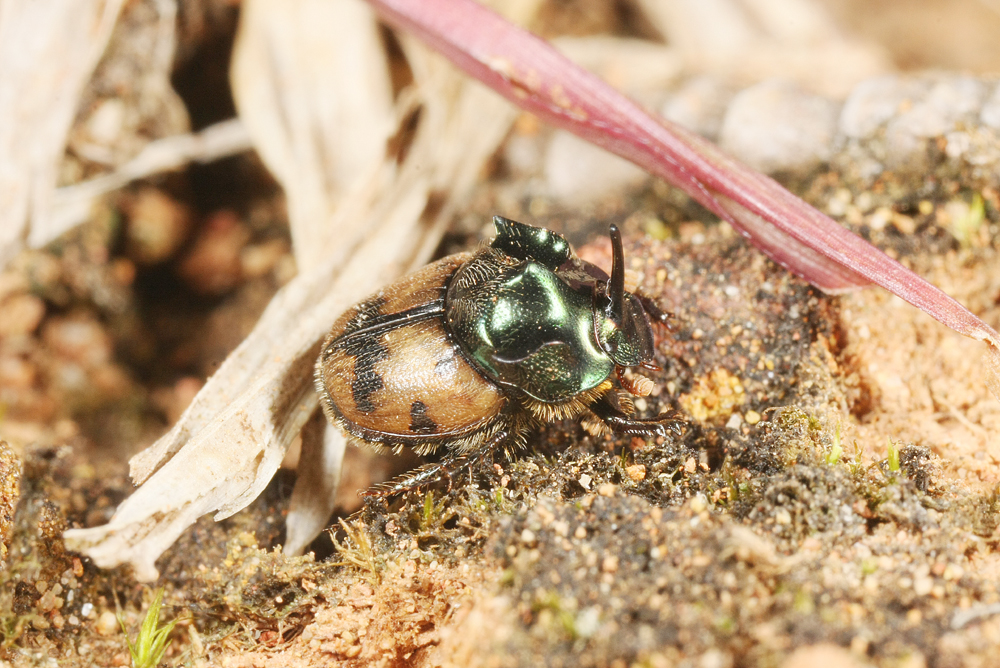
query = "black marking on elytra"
{"x": 363, "y": 339}
{"x": 367, "y": 351}
{"x": 367, "y": 381}
{"x": 365, "y": 323}
{"x": 420, "y": 423}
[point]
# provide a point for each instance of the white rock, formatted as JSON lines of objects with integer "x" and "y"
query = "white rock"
{"x": 578, "y": 172}
{"x": 774, "y": 127}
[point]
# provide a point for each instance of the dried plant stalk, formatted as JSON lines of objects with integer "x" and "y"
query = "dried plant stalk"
{"x": 71, "y": 205}
{"x": 48, "y": 49}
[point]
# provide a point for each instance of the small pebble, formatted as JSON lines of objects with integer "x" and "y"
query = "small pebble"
{"x": 78, "y": 338}
{"x": 698, "y": 503}
{"x": 213, "y": 265}
{"x": 636, "y": 472}
{"x": 577, "y": 171}
{"x": 989, "y": 115}
{"x": 10, "y": 489}
{"x": 260, "y": 259}
{"x": 22, "y": 314}
{"x": 698, "y": 105}
{"x": 825, "y": 655}
{"x": 775, "y": 127}
{"x": 610, "y": 564}
{"x": 105, "y": 123}
{"x": 873, "y": 102}
{"x": 157, "y": 226}
{"x": 107, "y": 623}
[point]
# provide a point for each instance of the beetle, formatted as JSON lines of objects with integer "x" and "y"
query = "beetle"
{"x": 474, "y": 350}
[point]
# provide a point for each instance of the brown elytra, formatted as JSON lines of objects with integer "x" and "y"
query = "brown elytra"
{"x": 406, "y": 384}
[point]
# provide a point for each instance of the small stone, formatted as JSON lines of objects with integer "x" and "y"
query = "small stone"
{"x": 260, "y": 259}
{"x": 585, "y": 481}
{"x": 10, "y": 490}
{"x": 715, "y": 658}
{"x": 610, "y": 564}
{"x": 636, "y": 472}
{"x": 873, "y": 102}
{"x": 16, "y": 373}
{"x": 107, "y": 623}
{"x": 577, "y": 171}
{"x": 698, "y": 503}
{"x": 607, "y": 489}
{"x": 105, "y": 123}
{"x": 157, "y": 226}
{"x": 775, "y": 127}
{"x": 943, "y": 107}
{"x": 751, "y": 417}
{"x": 826, "y": 655}
{"x": 587, "y": 622}
{"x": 78, "y": 338}
{"x": 213, "y": 265}
{"x": 989, "y": 115}
{"x": 699, "y": 105}
{"x": 952, "y": 572}
{"x": 22, "y": 314}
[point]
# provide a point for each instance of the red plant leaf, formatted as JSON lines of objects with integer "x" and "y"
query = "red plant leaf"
{"x": 533, "y": 75}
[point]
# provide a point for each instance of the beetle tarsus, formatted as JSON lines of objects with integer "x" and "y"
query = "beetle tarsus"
{"x": 622, "y": 423}
{"x": 657, "y": 314}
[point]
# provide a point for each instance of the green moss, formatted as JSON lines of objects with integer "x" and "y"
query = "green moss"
{"x": 151, "y": 643}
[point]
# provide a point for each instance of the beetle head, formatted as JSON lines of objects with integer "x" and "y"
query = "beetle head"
{"x": 621, "y": 324}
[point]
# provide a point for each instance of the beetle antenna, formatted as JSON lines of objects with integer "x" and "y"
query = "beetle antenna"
{"x": 616, "y": 284}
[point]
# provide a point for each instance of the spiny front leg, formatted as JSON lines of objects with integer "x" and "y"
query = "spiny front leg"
{"x": 656, "y": 314}
{"x": 607, "y": 409}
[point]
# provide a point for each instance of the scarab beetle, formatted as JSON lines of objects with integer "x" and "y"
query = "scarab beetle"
{"x": 471, "y": 351}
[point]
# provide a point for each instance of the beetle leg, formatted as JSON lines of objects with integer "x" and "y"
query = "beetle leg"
{"x": 655, "y": 313}
{"x": 621, "y": 423}
{"x": 445, "y": 470}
